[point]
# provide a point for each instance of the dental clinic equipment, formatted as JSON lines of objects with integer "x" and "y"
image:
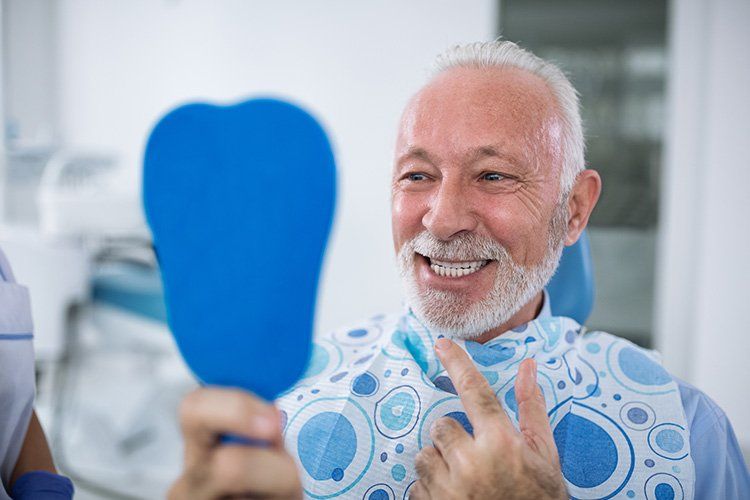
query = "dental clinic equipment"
{"x": 63, "y": 209}
{"x": 78, "y": 239}
{"x": 80, "y": 195}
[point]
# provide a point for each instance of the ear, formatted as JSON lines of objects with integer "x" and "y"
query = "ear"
{"x": 581, "y": 202}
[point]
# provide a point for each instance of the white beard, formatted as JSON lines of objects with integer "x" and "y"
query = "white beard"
{"x": 455, "y": 315}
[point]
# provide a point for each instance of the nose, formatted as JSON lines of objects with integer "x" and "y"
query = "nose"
{"x": 449, "y": 213}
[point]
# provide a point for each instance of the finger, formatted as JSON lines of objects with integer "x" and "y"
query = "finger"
{"x": 252, "y": 471}
{"x": 209, "y": 412}
{"x": 419, "y": 492}
{"x": 482, "y": 408}
{"x": 532, "y": 410}
{"x": 430, "y": 465}
{"x": 448, "y": 436}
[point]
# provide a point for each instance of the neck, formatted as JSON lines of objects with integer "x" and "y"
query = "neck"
{"x": 527, "y": 313}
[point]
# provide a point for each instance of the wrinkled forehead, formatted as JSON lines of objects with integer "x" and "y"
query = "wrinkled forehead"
{"x": 463, "y": 109}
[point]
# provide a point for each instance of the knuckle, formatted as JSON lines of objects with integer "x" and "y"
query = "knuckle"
{"x": 466, "y": 472}
{"x": 514, "y": 445}
{"x": 500, "y": 440}
{"x": 192, "y": 422}
{"x": 463, "y": 460}
{"x": 472, "y": 380}
{"x": 423, "y": 460}
{"x": 442, "y": 429}
{"x": 189, "y": 405}
{"x": 532, "y": 439}
{"x": 488, "y": 404}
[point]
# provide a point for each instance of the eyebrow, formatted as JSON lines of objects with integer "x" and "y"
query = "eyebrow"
{"x": 417, "y": 154}
{"x": 479, "y": 153}
{"x": 492, "y": 151}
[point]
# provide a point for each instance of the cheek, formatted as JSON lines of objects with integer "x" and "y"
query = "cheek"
{"x": 511, "y": 227}
{"x": 407, "y": 212}
{"x": 503, "y": 227}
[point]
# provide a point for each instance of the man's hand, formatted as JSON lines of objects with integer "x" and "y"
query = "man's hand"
{"x": 215, "y": 470}
{"x": 498, "y": 461}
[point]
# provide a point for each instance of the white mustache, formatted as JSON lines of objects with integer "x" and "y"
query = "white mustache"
{"x": 465, "y": 247}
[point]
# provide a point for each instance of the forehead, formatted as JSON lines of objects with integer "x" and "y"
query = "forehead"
{"x": 468, "y": 108}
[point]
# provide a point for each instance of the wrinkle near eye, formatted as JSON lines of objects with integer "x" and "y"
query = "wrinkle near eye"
{"x": 532, "y": 201}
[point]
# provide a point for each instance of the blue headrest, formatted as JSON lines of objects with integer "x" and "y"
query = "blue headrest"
{"x": 571, "y": 289}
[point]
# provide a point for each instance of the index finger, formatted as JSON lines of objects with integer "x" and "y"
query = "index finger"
{"x": 482, "y": 408}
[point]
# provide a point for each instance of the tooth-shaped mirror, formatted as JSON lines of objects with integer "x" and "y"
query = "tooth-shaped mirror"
{"x": 240, "y": 201}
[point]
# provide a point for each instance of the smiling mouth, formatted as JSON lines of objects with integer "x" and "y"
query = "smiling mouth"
{"x": 456, "y": 269}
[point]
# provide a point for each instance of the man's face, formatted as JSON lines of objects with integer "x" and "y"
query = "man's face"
{"x": 476, "y": 213}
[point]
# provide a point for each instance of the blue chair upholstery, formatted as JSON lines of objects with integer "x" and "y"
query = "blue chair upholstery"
{"x": 134, "y": 288}
{"x": 571, "y": 289}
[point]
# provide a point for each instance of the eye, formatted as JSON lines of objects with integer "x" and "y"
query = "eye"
{"x": 492, "y": 176}
{"x": 416, "y": 176}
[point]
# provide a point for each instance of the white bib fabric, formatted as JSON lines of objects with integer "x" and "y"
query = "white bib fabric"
{"x": 364, "y": 409}
{"x": 16, "y": 370}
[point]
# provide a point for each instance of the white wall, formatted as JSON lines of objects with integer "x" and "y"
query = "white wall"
{"x": 123, "y": 64}
{"x": 704, "y": 258}
{"x": 30, "y": 100}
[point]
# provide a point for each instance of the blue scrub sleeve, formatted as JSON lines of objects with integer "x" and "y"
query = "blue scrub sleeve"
{"x": 42, "y": 485}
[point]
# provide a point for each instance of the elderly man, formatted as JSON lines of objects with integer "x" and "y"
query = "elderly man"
{"x": 475, "y": 390}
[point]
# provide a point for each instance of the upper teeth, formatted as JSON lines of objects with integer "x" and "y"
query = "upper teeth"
{"x": 456, "y": 269}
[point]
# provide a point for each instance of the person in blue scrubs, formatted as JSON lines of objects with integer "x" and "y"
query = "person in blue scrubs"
{"x": 26, "y": 467}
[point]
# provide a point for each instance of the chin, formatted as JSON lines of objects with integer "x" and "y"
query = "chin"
{"x": 455, "y": 316}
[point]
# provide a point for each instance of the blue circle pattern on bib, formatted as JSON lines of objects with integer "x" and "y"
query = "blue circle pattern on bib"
{"x": 375, "y": 390}
{"x": 397, "y": 412}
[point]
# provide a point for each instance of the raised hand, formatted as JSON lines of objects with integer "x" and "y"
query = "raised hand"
{"x": 497, "y": 461}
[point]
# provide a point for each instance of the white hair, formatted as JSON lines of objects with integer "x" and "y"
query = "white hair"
{"x": 504, "y": 54}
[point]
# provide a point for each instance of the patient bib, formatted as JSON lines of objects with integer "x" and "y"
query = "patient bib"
{"x": 16, "y": 370}
{"x": 364, "y": 409}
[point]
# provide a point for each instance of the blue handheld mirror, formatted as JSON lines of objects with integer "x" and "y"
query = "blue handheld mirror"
{"x": 240, "y": 201}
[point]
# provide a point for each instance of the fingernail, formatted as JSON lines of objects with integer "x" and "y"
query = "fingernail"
{"x": 533, "y": 368}
{"x": 443, "y": 344}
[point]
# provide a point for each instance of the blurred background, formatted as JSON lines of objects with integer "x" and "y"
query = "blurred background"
{"x": 664, "y": 88}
